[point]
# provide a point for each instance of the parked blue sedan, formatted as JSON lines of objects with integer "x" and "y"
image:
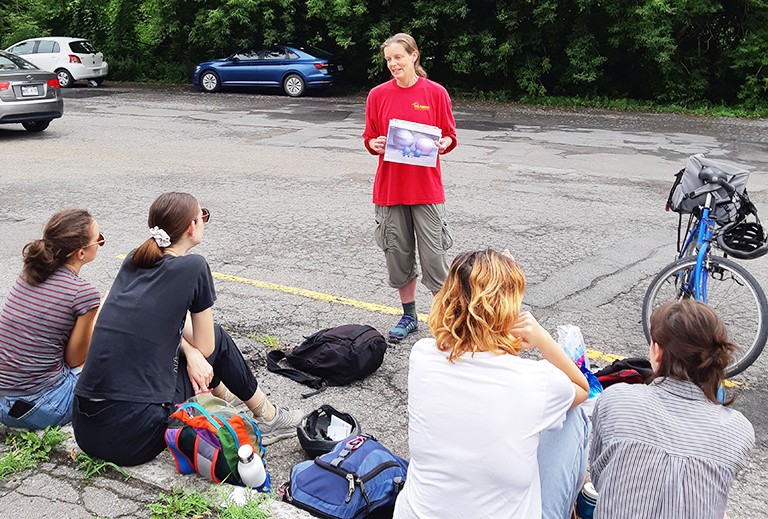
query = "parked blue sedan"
{"x": 294, "y": 69}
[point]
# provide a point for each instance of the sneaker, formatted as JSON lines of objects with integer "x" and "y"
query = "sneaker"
{"x": 283, "y": 425}
{"x": 406, "y": 325}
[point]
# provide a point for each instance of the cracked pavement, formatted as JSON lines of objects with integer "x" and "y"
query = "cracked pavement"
{"x": 577, "y": 196}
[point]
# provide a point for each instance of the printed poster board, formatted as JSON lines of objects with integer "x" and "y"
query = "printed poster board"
{"x": 412, "y": 143}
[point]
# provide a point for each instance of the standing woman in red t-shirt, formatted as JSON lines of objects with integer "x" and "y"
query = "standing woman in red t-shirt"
{"x": 409, "y": 198}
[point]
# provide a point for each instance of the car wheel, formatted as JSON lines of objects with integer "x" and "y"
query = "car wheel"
{"x": 35, "y": 126}
{"x": 209, "y": 81}
{"x": 293, "y": 85}
{"x": 65, "y": 78}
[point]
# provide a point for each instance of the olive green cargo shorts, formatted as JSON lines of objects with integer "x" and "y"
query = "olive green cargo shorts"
{"x": 400, "y": 228}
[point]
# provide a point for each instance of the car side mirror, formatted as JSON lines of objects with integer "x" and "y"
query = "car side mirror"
{"x": 233, "y": 57}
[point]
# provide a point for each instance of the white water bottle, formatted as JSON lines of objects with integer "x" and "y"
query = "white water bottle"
{"x": 250, "y": 467}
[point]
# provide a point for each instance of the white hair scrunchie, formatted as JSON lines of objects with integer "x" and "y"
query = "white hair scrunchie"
{"x": 161, "y": 237}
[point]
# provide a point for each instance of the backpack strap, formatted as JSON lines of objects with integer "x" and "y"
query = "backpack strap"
{"x": 195, "y": 405}
{"x": 350, "y": 446}
{"x": 273, "y": 359}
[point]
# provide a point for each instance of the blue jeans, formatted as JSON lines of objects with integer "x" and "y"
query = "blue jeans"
{"x": 52, "y": 406}
{"x": 562, "y": 459}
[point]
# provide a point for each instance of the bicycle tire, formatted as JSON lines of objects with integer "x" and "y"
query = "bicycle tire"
{"x": 728, "y": 287}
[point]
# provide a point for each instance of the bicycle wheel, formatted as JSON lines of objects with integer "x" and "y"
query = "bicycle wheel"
{"x": 731, "y": 291}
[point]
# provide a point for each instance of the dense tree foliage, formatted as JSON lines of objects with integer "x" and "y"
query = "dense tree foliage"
{"x": 669, "y": 51}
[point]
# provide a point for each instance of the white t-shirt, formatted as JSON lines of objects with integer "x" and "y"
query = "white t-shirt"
{"x": 473, "y": 429}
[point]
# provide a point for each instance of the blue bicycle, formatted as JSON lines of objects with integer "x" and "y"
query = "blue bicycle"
{"x": 725, "y": 224}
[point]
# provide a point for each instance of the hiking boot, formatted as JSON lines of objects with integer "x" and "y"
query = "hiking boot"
{"x": 406, "y": 325}
{"x": 283, "y": 425}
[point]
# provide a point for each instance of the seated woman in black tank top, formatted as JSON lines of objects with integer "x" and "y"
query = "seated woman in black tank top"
{"x": 155, "y": 345}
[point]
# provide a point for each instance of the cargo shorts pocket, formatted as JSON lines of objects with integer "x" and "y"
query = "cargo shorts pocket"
{"x": 445, "y": 235}
{"x": 380, "y": 231}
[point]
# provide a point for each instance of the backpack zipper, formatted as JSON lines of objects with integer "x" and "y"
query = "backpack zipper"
{"x": 344, "y": 473}
{"x": 353, "y": 478}
{"x": 378, "y": 470}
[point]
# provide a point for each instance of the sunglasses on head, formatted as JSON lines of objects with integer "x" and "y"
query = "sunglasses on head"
{"x": 206, "y": 214}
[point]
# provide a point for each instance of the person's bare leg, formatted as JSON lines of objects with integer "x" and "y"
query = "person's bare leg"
{"x": 408, "y": 292}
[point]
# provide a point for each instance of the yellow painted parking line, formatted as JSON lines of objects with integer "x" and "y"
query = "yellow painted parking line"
{"x": 373, "y": 307}
{"x": 608, "y": 358}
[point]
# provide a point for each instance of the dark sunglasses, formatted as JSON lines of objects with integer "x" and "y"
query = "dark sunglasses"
{"x": 100, "y": 241}
{"x": 206, "y": 214}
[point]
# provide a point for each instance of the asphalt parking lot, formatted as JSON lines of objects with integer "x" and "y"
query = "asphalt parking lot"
{"x": 577, "y": 196}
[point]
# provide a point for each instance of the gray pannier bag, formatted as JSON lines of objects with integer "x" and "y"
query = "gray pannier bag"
{"x": 688, "y": 193}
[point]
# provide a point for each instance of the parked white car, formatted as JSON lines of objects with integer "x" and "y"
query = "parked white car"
{"x": 72, "y": 59}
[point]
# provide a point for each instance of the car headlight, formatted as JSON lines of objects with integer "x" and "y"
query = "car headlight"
{"x": 197, "y": 68}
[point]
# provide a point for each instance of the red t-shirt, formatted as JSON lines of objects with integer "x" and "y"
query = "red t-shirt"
{"x": 425, "y": 102}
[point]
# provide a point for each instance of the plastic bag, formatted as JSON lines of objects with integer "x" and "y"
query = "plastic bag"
{"x": 570, "y": 339}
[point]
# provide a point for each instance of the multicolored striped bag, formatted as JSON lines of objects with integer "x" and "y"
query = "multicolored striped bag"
{"x": 204, "y": 435}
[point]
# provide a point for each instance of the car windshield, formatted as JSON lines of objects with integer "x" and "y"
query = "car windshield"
{"x": 12, "y": 62}
{"x": 82, "y": 47}
{"x": 318, "y": 53}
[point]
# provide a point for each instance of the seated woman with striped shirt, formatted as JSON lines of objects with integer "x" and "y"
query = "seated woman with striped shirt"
{"x": 671, "y": 449}
{"x": 46, "y": 323}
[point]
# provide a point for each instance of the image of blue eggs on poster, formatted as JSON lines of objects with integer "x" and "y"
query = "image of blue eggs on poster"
{"x": 412, "y": 143}
{"x": 402, "y": 139}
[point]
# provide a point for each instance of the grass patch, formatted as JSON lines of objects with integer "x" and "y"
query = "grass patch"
{"x": 94, "y": 466}
{"x": 617, "y": 104}
{"x": 252, "y": 509}
{"x": 181, "y": 503}
{"x": 215, "y": 503}
{"x": 270, "y": 341}
{"x": 632, "y": 105}
{"x": 28, "y": 448}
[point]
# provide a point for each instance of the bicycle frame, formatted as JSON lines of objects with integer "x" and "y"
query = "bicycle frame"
{"x": 703, "y": 272}
{"x": 703, "y": 232}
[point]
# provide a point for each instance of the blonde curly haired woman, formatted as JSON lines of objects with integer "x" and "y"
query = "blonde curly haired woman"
{"x": 478, "y": 412}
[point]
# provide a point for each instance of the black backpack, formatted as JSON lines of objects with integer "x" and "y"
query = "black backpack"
{"x": 332, "y": 357}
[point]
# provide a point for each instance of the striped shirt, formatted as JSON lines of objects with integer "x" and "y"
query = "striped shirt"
{"x": 665, "y": 451}
{"x": 35, "y": 324}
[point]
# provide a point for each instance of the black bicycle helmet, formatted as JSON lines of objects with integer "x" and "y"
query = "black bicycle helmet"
{"x": 313, "y": 430}
{"x": 744, "y": 240}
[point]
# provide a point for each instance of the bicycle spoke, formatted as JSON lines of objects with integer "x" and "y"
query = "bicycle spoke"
{"x": 730, "y": 290}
